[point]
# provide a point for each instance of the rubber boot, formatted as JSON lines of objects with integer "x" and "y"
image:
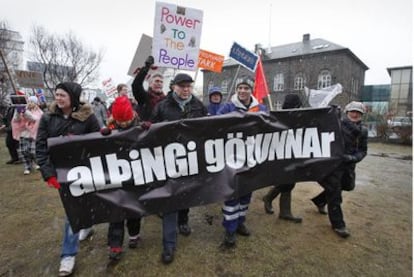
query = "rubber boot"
{"x": 268, "y": 198}
{"x": 285, "y": 211}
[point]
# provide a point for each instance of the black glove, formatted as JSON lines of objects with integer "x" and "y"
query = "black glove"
{"x": 348, "y": 158}
{"x": 149, "y": 61}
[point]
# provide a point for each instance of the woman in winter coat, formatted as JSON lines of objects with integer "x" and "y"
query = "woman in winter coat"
{"x": 355, "y": 137}
{"x": 25, "y": 124}
{"x": 67, "y": 116}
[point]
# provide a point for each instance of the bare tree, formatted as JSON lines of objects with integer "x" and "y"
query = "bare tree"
{"x": 9, "y": 46}
{"x": 63, "y": 58}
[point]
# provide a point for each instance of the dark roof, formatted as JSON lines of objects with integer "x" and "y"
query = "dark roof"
{"x": 389, "y": 69}
{"x": 302, "y": 48}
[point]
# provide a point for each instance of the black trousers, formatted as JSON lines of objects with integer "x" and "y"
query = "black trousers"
{"x": 116, "y": 231}
{"x": 12, "y": 146}
{"x": 332, "y": 196}
{"x": 183, "y": 216}
{"x": 286, "y": 187}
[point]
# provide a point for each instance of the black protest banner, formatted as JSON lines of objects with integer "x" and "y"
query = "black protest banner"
{"x": 192, "y": 162}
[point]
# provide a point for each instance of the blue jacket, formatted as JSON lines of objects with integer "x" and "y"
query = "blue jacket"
{"x": 236, "y": 105}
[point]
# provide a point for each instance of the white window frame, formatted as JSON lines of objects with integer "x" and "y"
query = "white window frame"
{"x": 210, "y": 85}
{"x": 324, "y": 79}
{"x": 224, "y": 87}
{"x": 299, "y": 82}
{"x": 278, "y": 82}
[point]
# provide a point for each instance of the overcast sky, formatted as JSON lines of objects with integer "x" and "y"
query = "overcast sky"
{"x": 378, "y": 32}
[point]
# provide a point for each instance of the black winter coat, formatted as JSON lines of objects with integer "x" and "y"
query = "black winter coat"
{"x": 355, "y": 139}
{"x": 53, "y": 124}
{"x": 169, "y": 110}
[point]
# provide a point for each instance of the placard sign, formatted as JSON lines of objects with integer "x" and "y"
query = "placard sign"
{"x": 176, "y": 40}
{"x": 244, "y": 57}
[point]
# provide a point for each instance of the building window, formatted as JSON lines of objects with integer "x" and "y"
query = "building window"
{"x": 210, "y": 85}
{"x": 354, "y": 87}
{"x": 278, "y": 82}
{"x": 224, "y": 87}
{"x": 324, "y": 79}
{"x": 299, "y": 82}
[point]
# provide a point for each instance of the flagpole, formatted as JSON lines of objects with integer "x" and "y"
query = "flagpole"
{"x": 232, "y": 84}
{"x": 195, "y": 76}
{"x": 8, "y": 71}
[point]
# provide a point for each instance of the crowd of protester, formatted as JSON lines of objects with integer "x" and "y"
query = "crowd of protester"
{"x": 28, "y": 127}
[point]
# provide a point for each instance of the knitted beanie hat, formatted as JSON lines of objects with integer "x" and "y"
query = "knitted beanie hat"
{"x": 122, "y": 109}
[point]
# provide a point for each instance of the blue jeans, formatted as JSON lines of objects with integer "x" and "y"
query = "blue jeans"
{"x": 70, "y": 244}
{"x": 169, "y": 230}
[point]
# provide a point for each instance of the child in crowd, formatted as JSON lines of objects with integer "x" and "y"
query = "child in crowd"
{"x": 25, "y": 124}
{"x": 123, "y": 117}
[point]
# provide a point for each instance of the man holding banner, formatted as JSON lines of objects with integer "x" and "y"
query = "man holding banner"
{"x": 234, "y": 210}
{"x": 179, "y": 104}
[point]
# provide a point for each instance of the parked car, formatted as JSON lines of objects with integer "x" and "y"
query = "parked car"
{"x": 400, "y": 121}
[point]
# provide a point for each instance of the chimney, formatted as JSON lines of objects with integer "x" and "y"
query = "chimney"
{"x": 306, "y": 38}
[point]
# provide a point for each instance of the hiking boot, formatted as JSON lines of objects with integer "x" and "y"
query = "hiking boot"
{"x": 229, "y": 239}
{"x": 115, "y": 253}
{"x": 67, "y": 265}
{"x": 321, "y": 209}
{"x": 184, "y": 229}
{"x": 342, "y": 232}
{"x": 267, "y": 205}
{"x": 291, "y": 218}
{"x": 242, "y": 230}
{"x": 133, "y": 242}
{"x": 285, "y": 209}
{"x": 167, "y": 256}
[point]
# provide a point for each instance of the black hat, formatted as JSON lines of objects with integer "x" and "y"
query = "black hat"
{"x": 246, "y": 81}
{"x": 182, "y": 78}
{"x": 74, "y": 90}
{"x": 292, "y": 101}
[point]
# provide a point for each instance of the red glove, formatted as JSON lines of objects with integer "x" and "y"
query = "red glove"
{"x": 53, "y": 183}
{"x": 105, "y": 131}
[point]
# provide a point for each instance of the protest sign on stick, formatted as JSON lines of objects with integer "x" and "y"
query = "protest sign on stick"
{"x": 176, "y": 40}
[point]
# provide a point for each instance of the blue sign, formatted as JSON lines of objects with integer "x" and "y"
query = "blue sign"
{"x": 244, "y": 57}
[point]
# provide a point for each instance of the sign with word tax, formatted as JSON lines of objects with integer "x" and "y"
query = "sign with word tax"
{"x": 210, "y": 61}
